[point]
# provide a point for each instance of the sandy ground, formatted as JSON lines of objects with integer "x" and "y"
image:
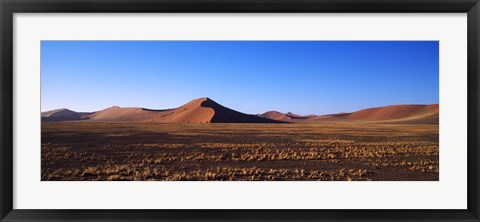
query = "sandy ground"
{"x": 328, "y": 151}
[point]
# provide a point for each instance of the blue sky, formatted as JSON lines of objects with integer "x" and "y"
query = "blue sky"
{"x": 305, "y": 77}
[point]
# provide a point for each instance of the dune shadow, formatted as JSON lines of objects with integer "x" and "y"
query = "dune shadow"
{"x": 225, "y": 115}
{"x": 156, "y": 110}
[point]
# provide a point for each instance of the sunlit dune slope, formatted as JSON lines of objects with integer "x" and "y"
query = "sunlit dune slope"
{"x": 396, "y": 113}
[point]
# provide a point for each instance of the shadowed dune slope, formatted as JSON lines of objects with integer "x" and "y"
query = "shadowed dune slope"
{"x": 225, "y": 115}
{"x": 396, "y": 113}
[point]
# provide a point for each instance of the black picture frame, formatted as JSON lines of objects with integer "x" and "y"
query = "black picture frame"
{"x": 9, "y": 7}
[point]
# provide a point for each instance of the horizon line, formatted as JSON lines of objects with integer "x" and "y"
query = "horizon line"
{"x": 273, "y": 110}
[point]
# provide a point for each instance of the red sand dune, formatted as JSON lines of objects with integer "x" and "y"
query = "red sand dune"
{"x": 205, "y": 110}
{"x": 396, "y": 113}
{"x": 191, "y": 112}
{"x": 119, "y": 114}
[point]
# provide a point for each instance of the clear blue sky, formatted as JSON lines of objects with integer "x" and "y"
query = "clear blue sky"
{"x": 318, "y": 77}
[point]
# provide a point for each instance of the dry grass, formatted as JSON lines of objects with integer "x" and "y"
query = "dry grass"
{"x": 333, "y": 151}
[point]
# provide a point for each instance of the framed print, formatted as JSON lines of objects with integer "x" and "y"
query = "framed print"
{"x": 232, "y": 110}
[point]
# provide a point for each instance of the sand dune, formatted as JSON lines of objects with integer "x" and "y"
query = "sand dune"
{"x": 191, "y": 112}
{"x": 119, "y": 114}
{"x": 202, "y": 110}
{"x": 396, "y": 113}
{"x": 205, "y": 110}
{"x": 284, "y": 116}
{"x": 60, "y": 115}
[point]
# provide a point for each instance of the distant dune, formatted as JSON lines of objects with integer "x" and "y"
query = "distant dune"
{"x": 205, "y": 110}
{"x": 396, "y": 113}
{"x": 284, "y": 116}
{"x": 61, "y": 115}
{"x": 202, "y": 110}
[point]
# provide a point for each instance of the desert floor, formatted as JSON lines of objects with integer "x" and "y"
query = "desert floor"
{"x": 325, "y": 151}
